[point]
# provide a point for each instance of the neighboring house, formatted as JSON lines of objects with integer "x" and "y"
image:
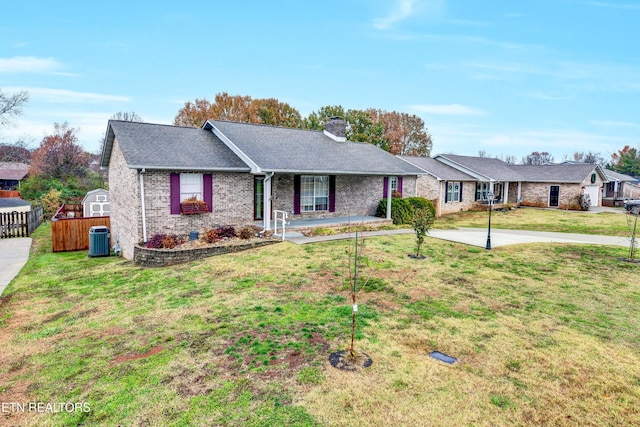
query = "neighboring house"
{"x": 242, "y": 172}
{"x": 450, "y": 189}
{"x": 561, "y": 185}
{"x": 11, "y": 174}
{"x": 14, "y": 204}
{"x": 551, "y": 185}
{"x": 619, "y": 188}
{"x": 96, "y": 203}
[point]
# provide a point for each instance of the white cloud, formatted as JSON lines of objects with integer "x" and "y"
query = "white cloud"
{"x": 614, "y": 124}
{"x": 401, "y": 11}
{"x": 29, "y": 64}
{"x": 64, "y": 96}
{"x": 450, "y": 109}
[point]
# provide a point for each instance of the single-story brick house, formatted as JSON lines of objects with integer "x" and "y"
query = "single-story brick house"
{"x": 450, "y": 189}
{"x": 242, "y": 172}
{"x": 550, "y": 185}
{"x": 619, "y": 188}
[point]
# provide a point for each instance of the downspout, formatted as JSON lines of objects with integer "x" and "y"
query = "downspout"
{"x": 266, "y": 201}
{"x": 388, "y": 197}
{"x": 142, "y": 205}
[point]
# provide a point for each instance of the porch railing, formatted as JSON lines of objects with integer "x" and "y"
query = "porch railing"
{"x": 282, "y": 217}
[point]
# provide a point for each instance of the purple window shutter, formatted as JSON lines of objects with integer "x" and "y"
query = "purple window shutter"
{"x": 332, "y": 193}
{"x": 174, "y": 189}
{"x": 296, "y": 194}
{"x": 460, "y": 190}
{"x": 400, "y": 185}
{"x": 384, "y": 189}
{"x": 207, "y": 189}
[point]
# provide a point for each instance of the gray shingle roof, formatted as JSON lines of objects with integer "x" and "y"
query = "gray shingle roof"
{"x": 438, "y": 169}
{"x": 292, "y": 150}
{"x": 152, "y": 146}
{"x": 12, "y": 202}
{"x": 494, "y": 169}
{"x": 616, "y": 176}
{"x": 566, "y": 172}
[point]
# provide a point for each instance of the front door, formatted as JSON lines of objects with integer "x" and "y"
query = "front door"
{"x": 258, "y": 197}
{"x": 554, "y": 195}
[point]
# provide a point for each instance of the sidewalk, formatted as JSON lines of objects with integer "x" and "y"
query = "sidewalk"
{"x": 13, "y": 256}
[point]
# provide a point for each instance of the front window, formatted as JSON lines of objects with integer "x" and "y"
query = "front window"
{"x": 314, "y": 193}
{"x": 190, "y": 186}
{"x": 453, "y": 191}
{"x": 482, "y": 189}
{"x": 394, "y": 184}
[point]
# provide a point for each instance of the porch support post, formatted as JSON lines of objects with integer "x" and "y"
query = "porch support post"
{"x": 505, "y": 192}
{"x": 519, "y": 196}
{"x": 266, "y": 201}
{"x": 389, "y": 197}
{"x": 143, "y": 207}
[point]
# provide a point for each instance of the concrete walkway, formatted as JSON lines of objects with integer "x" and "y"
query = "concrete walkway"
{"x": 14, "y": 254}
{"x": 478, "y": 237}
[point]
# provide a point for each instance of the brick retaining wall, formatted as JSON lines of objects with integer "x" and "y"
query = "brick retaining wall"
{"x": 148, "y": 257}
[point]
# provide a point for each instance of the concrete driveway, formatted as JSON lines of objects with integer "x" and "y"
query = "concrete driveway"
{"x": 499, "y": 237}
{"x": 13, "y": 256}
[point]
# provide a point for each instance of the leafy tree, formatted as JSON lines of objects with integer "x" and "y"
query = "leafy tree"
{"x": 626, "y": 161}
{"x": 11, "y": 106}
{"x": 240, "y": 109}
{"x": 317, "y": 119}
{"x": 404, "y": 133}
{"x": 537, "y": 158}
{"x": 16, "y": 152}
{"x": 422, "y": 221}
{"x": 275, "y": 113}
{"x": 362, "y": 128}
{"x": 59, "y": 156}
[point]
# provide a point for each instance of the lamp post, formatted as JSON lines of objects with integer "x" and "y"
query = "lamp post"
{"x": 490, "y": 200}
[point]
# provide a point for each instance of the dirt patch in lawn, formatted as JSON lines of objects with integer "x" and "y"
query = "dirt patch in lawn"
{"x": 134, "y": 356}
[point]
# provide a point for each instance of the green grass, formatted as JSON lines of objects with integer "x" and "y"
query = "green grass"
{"x": 534, "y": 219}
{"x": 545, "y": 335}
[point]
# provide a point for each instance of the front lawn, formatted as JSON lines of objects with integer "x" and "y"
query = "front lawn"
{"x": 545, "y": 335}
{"x": 534, "y": 219}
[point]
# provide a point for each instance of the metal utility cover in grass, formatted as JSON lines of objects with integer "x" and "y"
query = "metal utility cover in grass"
{"x": 443, "y": 357}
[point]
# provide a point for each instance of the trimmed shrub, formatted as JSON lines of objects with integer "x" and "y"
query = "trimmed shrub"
{"x": 249, "y": 232}
{"x": 163, "y": 241}
{"x": 226, "y": 231}
{"x": 401, "y": 210}
{"x": 422, "y": 203}
{"x": 211, "y": 236}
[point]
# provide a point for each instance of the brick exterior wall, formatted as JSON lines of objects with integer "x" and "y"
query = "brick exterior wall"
{"x": 232, "y": 203}
{"x": 355, "y": 195}
{"x": 537, "y": 194}
{"x": 124, "y": 199}
{"x": 434, "y": 190}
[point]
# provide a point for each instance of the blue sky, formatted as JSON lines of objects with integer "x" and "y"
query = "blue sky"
{"x": 506, "y": 77}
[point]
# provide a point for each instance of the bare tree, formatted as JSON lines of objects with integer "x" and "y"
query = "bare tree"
{"x": 127, "y": 116}
{"x": 11, "y": 106}
{"x": 588, "y": 157}
{"x": 537, "y": 158}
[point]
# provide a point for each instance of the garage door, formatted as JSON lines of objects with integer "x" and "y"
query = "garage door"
{"x": 593, "y": 191}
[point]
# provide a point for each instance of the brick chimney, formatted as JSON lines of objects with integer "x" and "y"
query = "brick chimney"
{"x": 336, "y": 129}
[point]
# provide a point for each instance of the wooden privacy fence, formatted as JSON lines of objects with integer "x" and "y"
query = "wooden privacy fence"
{"x": 20, "y": 224}
{"x": 72, "y": 234}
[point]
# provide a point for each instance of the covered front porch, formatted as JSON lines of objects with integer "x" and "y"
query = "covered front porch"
{"x": 294, "y": 228}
